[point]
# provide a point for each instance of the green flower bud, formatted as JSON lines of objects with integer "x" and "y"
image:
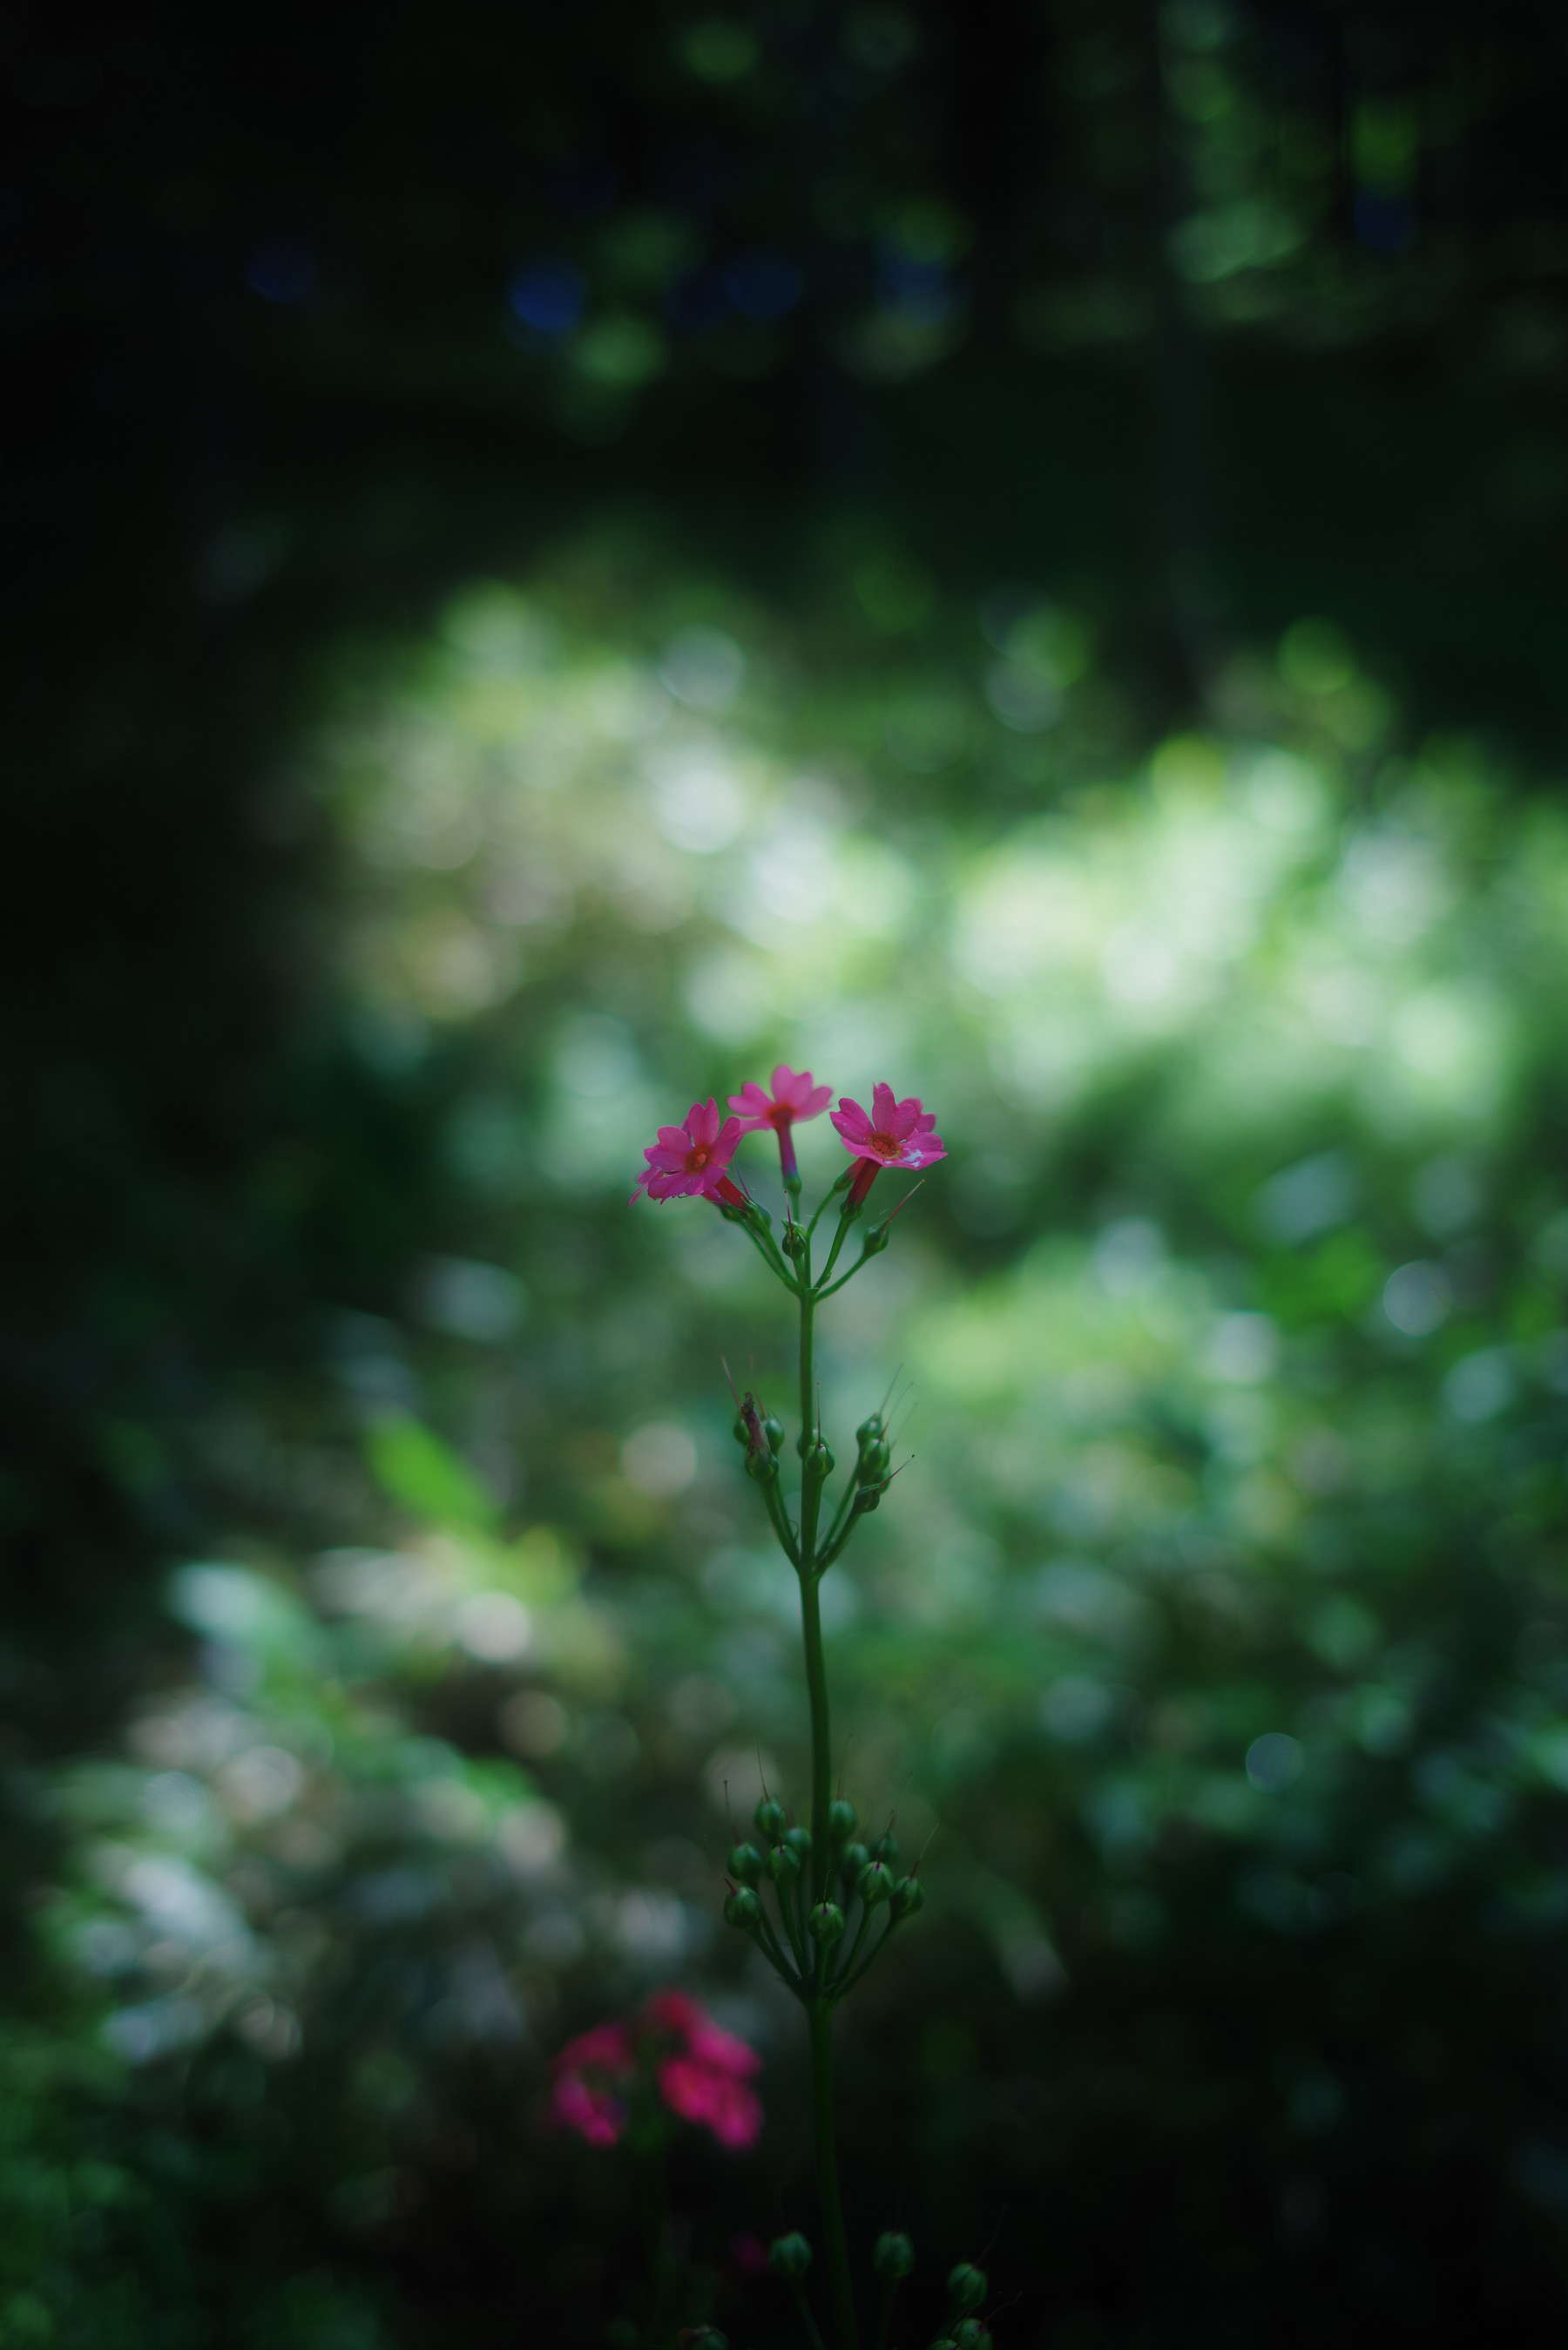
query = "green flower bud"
{"x": 907, "y": 1898}
{"x": 789, "y": 2256}
{"x": 783, "y": 1864}
{"x": 741, "y": 1432}
{"x": 966, "y": 2285}
{"x": 893, "y": 2255}
{"x": 817, "y": 1457}
{"x": 744, "y": 1863}
{"x": 769, "y": 1816}
{"x": 876, "y": 1460}
{"x": 885, "y": 1846}
{"x": 874, "y": 1884}
{"x": 869, "y": 1430}
{"x": 702, "y": 2338}
{"x": 761, "y": 1467}
{"x": 799, "y": 1842}
{"x": 840, "y": 1820}
{"x": 793, "y": 1240}
{"x": 877, "y": 1238}
{"x": 969, "y": 2333}
{"x": 826, "y": 1921}
{"x": 853, "y": 1859}
{"x": 742, "y": 1909}
{"x": 869, "y": 1498}
{"x": 773, "y": 1428}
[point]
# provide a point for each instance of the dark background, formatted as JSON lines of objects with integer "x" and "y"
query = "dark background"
{"x": 273, "y": 392}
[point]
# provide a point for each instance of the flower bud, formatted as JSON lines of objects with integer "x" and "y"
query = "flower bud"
{"x": 769, "y": 1816}
{"x": 783, "y": 1865}
{"x": 793, "y": 1240}
{"x": 885, "y": 1846}
{"x": 741, "y": 1432}
{"x": 853, "y": 1859}
{"x": 969, "y": 2333}
{"x": 744, "y": 1863}
{"x": 702, "y": 2338}
{"x": 774, "y": 1430}
{"x": 761, "y": 1467}
{"x": 869, "y": 1430}
{"x": 789, "y": 2256}
{"x": 742, "y": 1909}
{"x": 840, "y": 1820}
{"x": 799, "y": 1842}
{"x": 893, "y": 2255}
{"x": 868, "y": 1497}
{"x": 874, "y": 1884}
{"x": 827, "y": 1922}
{"x": 876, "y": 1460}
{"x": 877, "y": 1238}
{"x": 907, "y": 1898}
{"x": 966, "y": 2286}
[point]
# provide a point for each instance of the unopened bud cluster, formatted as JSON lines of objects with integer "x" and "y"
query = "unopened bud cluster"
{"x": 855, "y": 1881}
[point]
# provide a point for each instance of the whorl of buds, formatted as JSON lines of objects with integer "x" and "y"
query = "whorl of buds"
{"x": 789, "y": 2256}
{"x": 874, "y": 1883}
{"x": 966, "y": 2286}
{"x": 827, "y": 1922}
{"x": 743, "y": 1863}
{"x": 907, "y": 1898}
{"x": 840, "y": 1820}
{"x": 742, "y": 1909}
{"x": 783, "y": 1864}
{"x": 893, "y": 2255}
{"x": 769, "y": 1816}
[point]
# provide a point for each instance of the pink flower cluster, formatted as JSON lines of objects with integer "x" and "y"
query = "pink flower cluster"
{"x": 693, "y": 1160}
{"x": 700, "y": 2071}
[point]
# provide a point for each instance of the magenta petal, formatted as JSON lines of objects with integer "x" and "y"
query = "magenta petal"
{"x": 883, "y": 1109}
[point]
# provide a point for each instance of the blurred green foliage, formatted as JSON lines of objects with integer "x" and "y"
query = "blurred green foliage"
{"x": 1017, "y": 553}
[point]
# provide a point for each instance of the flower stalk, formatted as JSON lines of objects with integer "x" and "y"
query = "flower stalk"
{"x": 825, "y": 1888}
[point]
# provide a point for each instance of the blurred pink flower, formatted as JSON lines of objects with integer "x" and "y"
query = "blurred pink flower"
{"x": 896, "y": 1134}
{"x": 793, "y": 1098}
{"x": 608, "y": 2048}
{"x": 596, "y": 2114}
{"x": 721, "y": 2103}
{"x": 691, "y": 1161}
{"x": 702, "y": 2079}
{"x": 749, "y": 2255}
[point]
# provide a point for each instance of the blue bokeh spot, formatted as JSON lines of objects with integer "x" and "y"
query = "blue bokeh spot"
{"x": 763, "y": 285}
{"x": 282, "y": 270}
{"x": 548, "y": 296}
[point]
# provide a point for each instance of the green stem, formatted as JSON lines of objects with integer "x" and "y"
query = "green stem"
{"x": 840, "y": 2298}
{"x": 841, "y": 1989}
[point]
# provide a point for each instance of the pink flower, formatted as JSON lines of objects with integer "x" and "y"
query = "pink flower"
{"x": 596, "y": 2114}
{"x": 794, "y": 1097}
{"x": 605, "y": 2049}
{"x": 702, "y": 2079}
{"x": 717, "y": 2100}
{"x": 896, "y": 1134}
{"x": 691, "y": 1161}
